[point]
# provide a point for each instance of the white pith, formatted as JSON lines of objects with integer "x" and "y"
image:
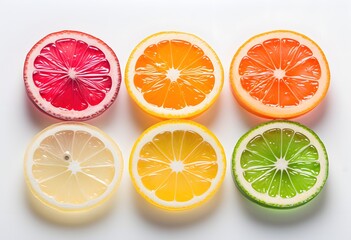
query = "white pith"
{"x": 280, "y": 165}
{"x": 148, "y": 135}
{"x": 274, "y": 111}
{"x": 72, "y": 73}
{"x": 173, "y": 74}
{"x": 33, "y": 90}
{"x": 177, "y": 166}
{"x": 279, "y": 73}
{"x": 73, "y": 166}
{"x": 188, "y": 110}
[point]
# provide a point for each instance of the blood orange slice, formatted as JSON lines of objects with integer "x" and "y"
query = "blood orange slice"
{"x": 71, "y": 75}
{"x": 279, "y": 74}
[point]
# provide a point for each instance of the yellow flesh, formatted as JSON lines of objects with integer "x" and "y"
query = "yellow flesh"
{"x": 177, "y": 165}
{"x": 73, "y": 167}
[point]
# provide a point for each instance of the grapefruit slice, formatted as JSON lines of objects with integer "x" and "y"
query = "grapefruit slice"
{"x": 280, "y": 164}
{"x": 72, "y": 75}
{"x": 174, "y": 75}
{"x": 279, "y": 74}
{"x": 72, "y": 167}
{"x": 177, "y": 164}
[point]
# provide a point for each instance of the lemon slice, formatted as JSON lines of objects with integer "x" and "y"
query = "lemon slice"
{"x": 177, "y": 164}
{"x": 72, "y": 166}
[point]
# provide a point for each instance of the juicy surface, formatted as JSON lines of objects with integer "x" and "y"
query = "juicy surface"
{"x": 71, "y": 74}
{"x": 280, "y": 162}
{"x": 73, "y": 167}
{"x": 177, "y": 165}
{"x": 280, "y": 72}
{"x": 174, "y": 74}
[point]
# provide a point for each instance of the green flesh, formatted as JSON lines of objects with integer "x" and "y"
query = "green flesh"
{"x": 280, "y": 162}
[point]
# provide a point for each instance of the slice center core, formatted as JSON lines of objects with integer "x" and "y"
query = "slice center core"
{"x": 281, "y": 164}
{"x": 177, "y": 166}
{"x": 72, "y": 73}
{"x": 279, "y": 73}
{"x": 173, "y": 74}
{"x": 74, "y": 167}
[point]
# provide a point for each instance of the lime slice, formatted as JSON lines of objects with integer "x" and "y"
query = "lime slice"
{"x": 280, "y": 164}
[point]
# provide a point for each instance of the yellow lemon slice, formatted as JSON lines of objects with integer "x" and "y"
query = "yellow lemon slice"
{"x": 177, "y": 164}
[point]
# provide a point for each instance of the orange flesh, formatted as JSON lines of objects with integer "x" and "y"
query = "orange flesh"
{"x": 192, "y": 80}
{"x": 280, "y": 72}
{"x": 177, "y": 165}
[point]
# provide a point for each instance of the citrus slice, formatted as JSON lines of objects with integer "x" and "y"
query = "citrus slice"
{"x": 279, "y": 74}
{"x": 177, "y": 164}
{"x": 174, "y": 75}
{"x": 71, "y": 75}
{"x": 72, "y": 166}
{"x": 280, "y": 164}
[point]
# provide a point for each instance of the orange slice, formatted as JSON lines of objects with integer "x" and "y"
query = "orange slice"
{"x": 174, "y": 75}
{"x": 177, "y": 164}
{"x": 279, "y": 74}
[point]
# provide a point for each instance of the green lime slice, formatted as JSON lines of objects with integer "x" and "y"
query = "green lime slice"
{"x": 280, "y": 164}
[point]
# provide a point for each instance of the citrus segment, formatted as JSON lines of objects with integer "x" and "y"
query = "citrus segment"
{"x": 274, "y": 59}
{"x": 279, "y": 74}
{"x": 280, "y": 164}
{"x": 72, "y": 167}
{"x": 72, "y": 75}
{"x": 172, "y": 74}
{"x": 177, "y": 164}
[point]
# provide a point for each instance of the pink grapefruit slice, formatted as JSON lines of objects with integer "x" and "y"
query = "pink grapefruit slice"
{"x": 72, "y": 75}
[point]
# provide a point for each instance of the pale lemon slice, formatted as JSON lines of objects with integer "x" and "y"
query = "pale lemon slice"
{"x": 177, "y": 164}
{"x": 72, "y": 166}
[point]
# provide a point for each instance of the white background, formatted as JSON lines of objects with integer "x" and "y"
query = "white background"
{"x": 225, "y": 25}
